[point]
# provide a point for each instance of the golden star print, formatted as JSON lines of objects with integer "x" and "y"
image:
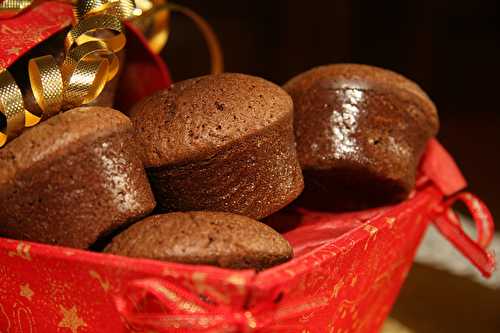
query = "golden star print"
{"x": 22, "y": 251}
{"x": 104, "y": 283}
{"x": 13, "y": 51}
{"x": 5, "y": 29}
{"x": 26, "y": 292}
{"x": 71, "y": 320}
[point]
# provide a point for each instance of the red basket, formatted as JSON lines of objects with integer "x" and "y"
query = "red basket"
{"x": 345, "y": 276}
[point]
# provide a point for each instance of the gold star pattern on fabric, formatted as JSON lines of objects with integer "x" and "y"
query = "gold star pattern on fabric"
{"x": 238, "y": 281}
{"x": 5, "y": 29}
{"x": 13, "y": 51}
{"x": 337, "y": 287}
{"x": 26, "y": 292}
{"x": 370, "y": 229}
{"x": 201, "y": 287}
{"x": 71, "y": 320}
{"x": 22, "y": 251}
{"x": 354, "y": 280}
{"x": 390, "y": 221}
{"x": 104, "y": 283}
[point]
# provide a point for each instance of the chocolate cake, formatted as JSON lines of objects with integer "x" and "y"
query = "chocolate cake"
{"x": 360, "y": 133}
{"x": 209, "y": 238}
{"x": 221, "y": 142}
{"x": 72, "y": 179}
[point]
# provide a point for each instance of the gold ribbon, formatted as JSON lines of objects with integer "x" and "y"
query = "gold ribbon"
{"x": 90, "y": 63}
{"x": 12, "y": 113}
{"x": 214, "y": 49}
{"x": 47, "y": 85}
{"x": 153, "y": 21}
{"x": 121, "y": 9}
{"x": 10, "y": 8}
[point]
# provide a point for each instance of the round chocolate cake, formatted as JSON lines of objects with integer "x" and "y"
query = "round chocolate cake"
{"x": 221, "y": 142}
{"x": 72, "y": 179}
{"x": 208, "y": 238}
{"x": 360, "y": 133}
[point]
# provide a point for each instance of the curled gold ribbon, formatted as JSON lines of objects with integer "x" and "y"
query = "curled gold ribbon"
{"x": 12, "y": 112}
{"x": 93, "y": 50}
{"x": 10, "y": 8}
{"x": 86, "y": 30}
{"x": 90, "y": 63}
{"x": 87, "y": 72}
{"x": 15, "y": 5}
{"x": 124, "y": 10}
{"x": 47, "y": 85}
{"x": 153, "y": 22}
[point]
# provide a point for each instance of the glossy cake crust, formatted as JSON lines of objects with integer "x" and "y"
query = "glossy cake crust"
{"x": 72, "y": 179}
{"x": 208, "y": 238}
{"x": 360, "y": 133}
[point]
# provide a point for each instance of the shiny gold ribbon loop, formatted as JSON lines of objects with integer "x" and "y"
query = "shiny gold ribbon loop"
{"x": 114, "y": 65}
{"x": 90, "y": 7}
{"x": 10, "y": 8}
{"x": 123, "y": 9}
{"x": 86, "y": 82}
{"x": 15, "y": 5}
{"x": 47, "y": 86}
{"x": 12, "y": 111}
{"x": 93, "y": 50}
{"x": 86, "y": 70}
{"x": 153, "y": 22}
{"x": 86, "y": 30}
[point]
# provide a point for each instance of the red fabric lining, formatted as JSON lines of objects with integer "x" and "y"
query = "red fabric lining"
{"x": 21, "y": 33}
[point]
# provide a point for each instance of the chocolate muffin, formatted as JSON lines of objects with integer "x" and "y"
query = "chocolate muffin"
{"x": 221, "y": 142}
{"x": 72, "y": 179}
{"x": 360, "y": 133}
{"x": 207, "y": 238}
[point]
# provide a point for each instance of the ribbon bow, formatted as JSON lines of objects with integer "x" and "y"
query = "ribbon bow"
{"x": 182, "y": 311}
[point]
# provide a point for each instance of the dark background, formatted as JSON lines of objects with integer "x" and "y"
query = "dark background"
{"x": 451, "y": 48}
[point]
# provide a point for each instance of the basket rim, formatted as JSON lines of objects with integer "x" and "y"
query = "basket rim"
{"x": 425, "y": 197}
{"x": 260, "y": 280}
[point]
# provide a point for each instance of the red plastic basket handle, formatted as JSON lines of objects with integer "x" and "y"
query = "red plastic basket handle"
{"x": 448, "y": 224}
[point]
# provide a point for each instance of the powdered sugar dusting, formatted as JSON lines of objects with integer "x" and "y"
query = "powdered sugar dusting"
{"x": 118, "y": 181}
{"x": 344, "y": 123}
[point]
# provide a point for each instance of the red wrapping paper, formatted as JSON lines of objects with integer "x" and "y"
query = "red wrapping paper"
{"x": 346, "y": 274}
{"x": 21, "y": 33}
